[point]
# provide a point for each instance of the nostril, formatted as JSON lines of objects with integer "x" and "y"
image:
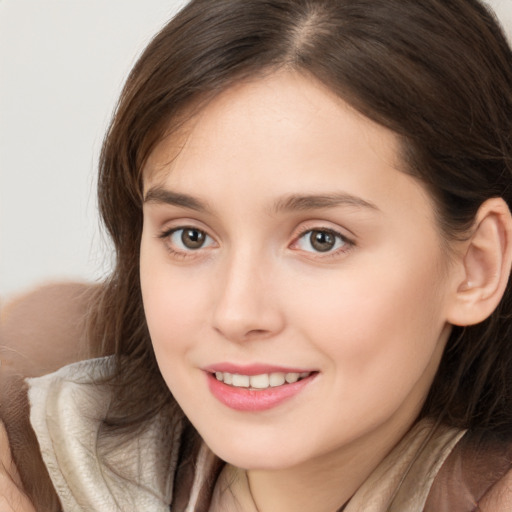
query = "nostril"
{"x": 256, "y": 332}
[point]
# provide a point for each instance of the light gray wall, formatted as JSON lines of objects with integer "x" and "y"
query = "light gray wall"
{"x": 62, "y": 63}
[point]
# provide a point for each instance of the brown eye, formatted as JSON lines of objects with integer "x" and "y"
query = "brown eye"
{"x": 322, "y": 241}
{"x": 193, "y": 238}
{"x": 187, "y": 239}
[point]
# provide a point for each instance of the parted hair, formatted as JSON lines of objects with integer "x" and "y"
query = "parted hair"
{"x": 438, "y": 73}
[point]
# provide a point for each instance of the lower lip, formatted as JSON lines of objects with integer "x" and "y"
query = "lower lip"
{"x": 253, "y": 400}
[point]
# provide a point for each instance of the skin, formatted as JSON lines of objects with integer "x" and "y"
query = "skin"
{"x": 370, "y": 315}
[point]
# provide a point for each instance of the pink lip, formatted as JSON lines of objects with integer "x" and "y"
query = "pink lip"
{"x": 251, "y": 400}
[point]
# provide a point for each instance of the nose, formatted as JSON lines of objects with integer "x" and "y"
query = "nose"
{"x": 246, "y": 306}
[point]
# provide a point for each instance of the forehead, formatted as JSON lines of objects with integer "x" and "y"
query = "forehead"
{"x": 289, "y": 106}
{"x": 280, "y": 135}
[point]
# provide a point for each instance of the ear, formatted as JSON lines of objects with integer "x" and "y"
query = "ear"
{"x": 484, "y": 264}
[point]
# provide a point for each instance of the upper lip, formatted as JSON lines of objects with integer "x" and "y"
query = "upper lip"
{"x": 252, "y": 369}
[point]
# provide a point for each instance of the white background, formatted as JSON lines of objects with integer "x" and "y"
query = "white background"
{"x": 62, "y": 65}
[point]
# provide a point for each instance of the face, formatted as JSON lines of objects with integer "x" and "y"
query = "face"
{"x": 294, "y": 280}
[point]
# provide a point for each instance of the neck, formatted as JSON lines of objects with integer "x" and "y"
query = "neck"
{"x": 322, "y": 488}
{"x": 324, "y": 484}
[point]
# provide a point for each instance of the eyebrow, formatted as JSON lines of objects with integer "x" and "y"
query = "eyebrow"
{"x": 161, "y": 195}
{"x": 294, "y": 202}
{"x": 317, "y": 202}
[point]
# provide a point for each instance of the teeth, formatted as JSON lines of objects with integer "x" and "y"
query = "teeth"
{"x": 262, "y": 381}
{"x": 292, "y": 377}
{"x": 241, "y": 381}
{"x": 276, "y": 379}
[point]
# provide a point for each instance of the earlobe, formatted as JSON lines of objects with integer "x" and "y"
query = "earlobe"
{"x": 486, "y": 262}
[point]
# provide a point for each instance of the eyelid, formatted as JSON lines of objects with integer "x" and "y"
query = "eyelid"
{"x": 324, "y": 225}
{"x": 166, "y": 227}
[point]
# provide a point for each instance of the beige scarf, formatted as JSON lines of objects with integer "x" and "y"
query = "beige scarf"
{"x": 66, "y": 412}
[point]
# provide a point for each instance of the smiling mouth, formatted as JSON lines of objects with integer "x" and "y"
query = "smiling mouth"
{"x": 262, "y": 381}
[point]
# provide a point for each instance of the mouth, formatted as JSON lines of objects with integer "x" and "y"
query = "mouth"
{"x": 253, "y": 390}
{"x": 261, "y": 381}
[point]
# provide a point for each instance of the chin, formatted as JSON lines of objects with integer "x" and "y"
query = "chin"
{"x": 255, "y": 456}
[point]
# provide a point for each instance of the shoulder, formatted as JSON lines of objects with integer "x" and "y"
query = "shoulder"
{"x": 11, "y": 495}
{"x": 478, "y": 472}
{"x": 44, "y": 329}
{"x": 25, "y": 409}
{"x": 499, "y": 497}
{"x": 24, "y": 478}
{"x": 111, "y": 470}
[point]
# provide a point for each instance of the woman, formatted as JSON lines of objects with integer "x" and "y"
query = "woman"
{"x": 310, "y": 206}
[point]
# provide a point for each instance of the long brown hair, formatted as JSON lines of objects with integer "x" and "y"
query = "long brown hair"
{"x": 436, "y": 72}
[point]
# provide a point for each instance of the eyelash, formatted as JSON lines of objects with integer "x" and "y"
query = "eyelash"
{"x": 347, "y": 244}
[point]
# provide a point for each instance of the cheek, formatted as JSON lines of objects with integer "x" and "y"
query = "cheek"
{"x": 171, "y": 305}
{"x": 379, "y": 326}
{"x": 173, "y": 322}
{"x": 172, "y": 312}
